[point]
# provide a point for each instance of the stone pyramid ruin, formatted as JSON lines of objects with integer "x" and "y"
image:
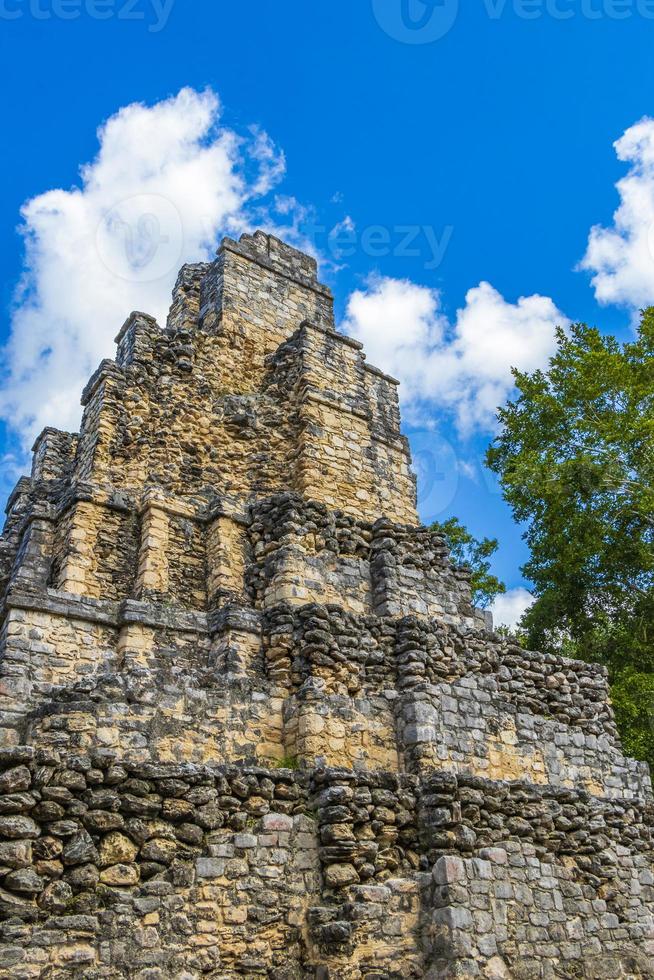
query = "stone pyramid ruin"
{"x": 252, "y": 724}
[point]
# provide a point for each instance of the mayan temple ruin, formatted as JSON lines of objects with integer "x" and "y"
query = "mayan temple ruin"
{"x": 252, "y": 724}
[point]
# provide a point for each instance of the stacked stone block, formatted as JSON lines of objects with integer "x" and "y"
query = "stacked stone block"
{"x": 252, "y": 723}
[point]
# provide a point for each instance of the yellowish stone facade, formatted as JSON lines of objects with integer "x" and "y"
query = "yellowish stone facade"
{"x": 252, "y": 724}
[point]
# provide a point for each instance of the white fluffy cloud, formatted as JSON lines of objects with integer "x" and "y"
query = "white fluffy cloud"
{"x": 508, "y": 609}
{"x": 167, "y": 181}
{"x": 621, "y": 258}
{"x": 463, "y": 366}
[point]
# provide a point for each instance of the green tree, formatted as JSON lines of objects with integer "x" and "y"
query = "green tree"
{"x": 468, "y": 550}
{"x": 575, "y": 457}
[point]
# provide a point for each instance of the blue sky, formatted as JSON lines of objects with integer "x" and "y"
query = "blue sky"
{"x": 492, "y": 146}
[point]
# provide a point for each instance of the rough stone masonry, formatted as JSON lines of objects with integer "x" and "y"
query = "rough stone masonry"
{"x": 252, "y": 725}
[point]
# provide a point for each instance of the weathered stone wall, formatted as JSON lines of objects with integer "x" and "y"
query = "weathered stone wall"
{"x": 252, "y": 723}
{"x": 155, "y": 870}
{"x": 152, "y": 872}
{"x": 304, "y": 552}
{"x": 470, "y": 726}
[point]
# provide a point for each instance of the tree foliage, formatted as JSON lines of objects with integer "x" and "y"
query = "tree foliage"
{"x": 465, "y": 549}
{"x": 575, "y": 456}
